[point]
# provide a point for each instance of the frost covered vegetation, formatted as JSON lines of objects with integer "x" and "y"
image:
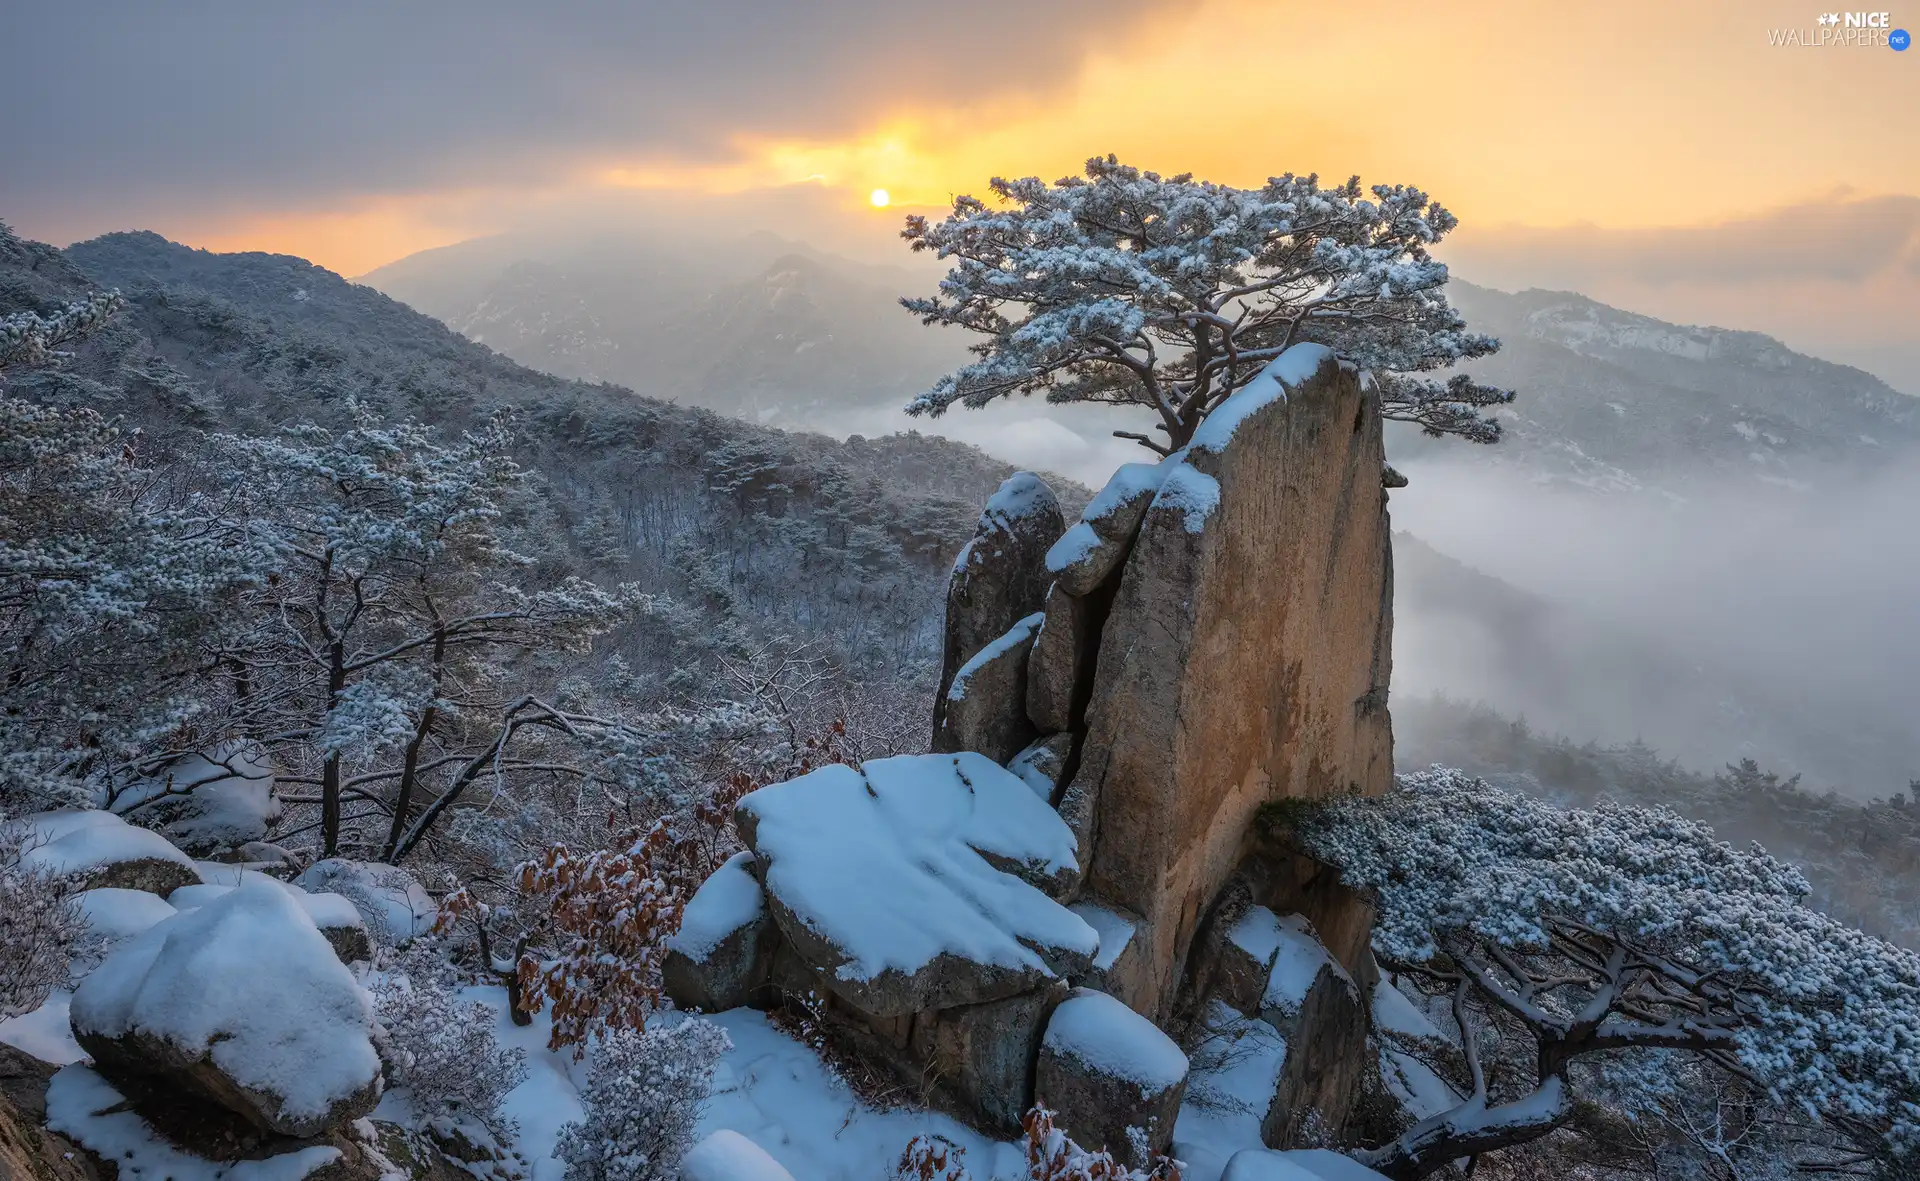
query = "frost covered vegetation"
{"x": 1626, "y": 951}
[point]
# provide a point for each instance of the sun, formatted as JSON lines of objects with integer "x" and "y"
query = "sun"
{"x": 880, "y": 198}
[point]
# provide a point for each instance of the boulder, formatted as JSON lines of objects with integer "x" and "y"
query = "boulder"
{"x": 721, "y": 956}
{"x": 392, "y": 904}
{"x": 243, "y": 1002}
{"x": 1000, "y": 576}
{"x": 986, "y": 708}
{"x": 337, "y": 918}
{"x": 983, "y": 1055}
{"x": 204, "y": 802}
{"x": 1060, "y": 669}
{"x": 1244, "y": 960}
{"x": 105, "y": 852}
{"x": 728, "y": 1156}
{"x": 1316, "y": 1006}
{"x": 909, "y": 883}
{"x": 1103, "y": 1068}
{"x": 28, "y": 1150}
{"x": 1043, "y": 765}
{"x": 1090, "y": 554}
{"x": 114, "y": 915}
{"x": 1245, "y": 657}
{"x": 1121, "y": 956}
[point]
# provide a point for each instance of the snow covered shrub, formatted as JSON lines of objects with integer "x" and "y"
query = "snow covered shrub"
{"x": 1578, "y": 935}
{"x": 442, "y": 1049}
{"x": 1053, "y": 1156}
{"x": 1129, "y": 288}
{"x": 608, "y": 915}
{"x": 41, "y": 928}
{"x": 931, "y": 1157}
{"x": 643, "y": 1097}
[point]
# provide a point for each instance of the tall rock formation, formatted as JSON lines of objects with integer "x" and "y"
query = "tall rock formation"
{"x": 1245, "y": 657}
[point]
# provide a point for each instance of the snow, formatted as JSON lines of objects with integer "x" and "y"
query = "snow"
{"x": 46, "y": 1033}
{"x": 114, "y": 914}
{"x": 1422, "y": 1092}
{"x": 85, "y": 1108}
{"x": 1191, "y": 492}
{"x": 249, "y": 981}
{"x": 885, "y": 861}
{"x": 1110, "y": 1039}
{"x": 395, "y": 906}
{"x": 1300, "y": 1164}
{"x": 1236, "y": 1070}
{"x": 1270, "y": 385}
{"x": 1115, "y": 931}
{"x": 1026, "y": 767}
{"x": 326, "y": 910}
{"x": 727, "y": 901}
{"x": 1395, "y": 1013}
{"x": 1298, "y": 963}
{"x": 728, "y": 1156}
{"x": 79, "y": 842}
{"x": 1258, "y": 933}
{"x": 1021, "y": 495}
{"x": 1020, "y": 633}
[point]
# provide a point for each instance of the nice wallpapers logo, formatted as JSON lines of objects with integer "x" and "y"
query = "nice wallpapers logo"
{"x": 1844, "y": 30}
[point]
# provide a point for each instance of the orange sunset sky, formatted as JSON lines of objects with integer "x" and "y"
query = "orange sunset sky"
{"x": 1665, "y": 154}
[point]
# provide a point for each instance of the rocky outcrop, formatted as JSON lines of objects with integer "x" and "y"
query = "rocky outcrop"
{"x": 986, "y": 705}
{"x": 722, "y": 954}
{"x": 984, "y": 1054}
{"x": 1245, "y": 656}
{"x": 28, "y": 1151}
{"x": 1104, "y": 1069}
{"x": 1000, "y": 576}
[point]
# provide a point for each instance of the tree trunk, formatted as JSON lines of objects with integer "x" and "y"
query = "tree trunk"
{"x": 330, "y": 770}
{"x": 1469, "y": 1130}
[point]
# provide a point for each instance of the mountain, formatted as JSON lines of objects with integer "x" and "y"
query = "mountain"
{"x": 761, "y": 328}
{"x": 1618, "y": 401}
{"x": 760, "y": 532}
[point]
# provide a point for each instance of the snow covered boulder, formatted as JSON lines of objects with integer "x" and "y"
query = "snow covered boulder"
{"x": 242, "y": 1001}
{"x": 986, "y": 708}
{"x": 1315, "y": 1005}
{"x": 1121, "y": 956}
{"x": 204, "y": 802}
{"x": 728, "y": 1156}
{"x": 720, "y": 957}
{"x": 1245, "y": 657}
{"x": 981, "y": 1056}
{"x": 1000, "y": 576}
{"x": 114, "y": 915}
{"x": 909, "y": 883}
{"x": 336, "y": 917}
{"x": 1244, "y": 959}
{"x": 1104, "y": 1068}
{"x": 106, "y": 852}
{"x": 1090, "y": 554}
{"x": 1313, "y": 1164}
{"x": 394, "y": 906}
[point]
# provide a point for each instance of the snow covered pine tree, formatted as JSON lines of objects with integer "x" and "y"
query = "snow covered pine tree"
{"x": 1131, "y": 289}
{"x": 1604, "y": 939}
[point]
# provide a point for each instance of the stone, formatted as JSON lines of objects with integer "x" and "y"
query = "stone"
{"x": 1245, "y": 657}
{"x": 1090, "y": 554}
{"x": 1121, "y": 957}
{"x": 1327, "y": 1059}
{"x": 986, "y": 708}
{"x": 393, "y": 904}
{"x": 1000, "y": 576}
{"x": 918, "y": 882}
{"x": 1060, "y": 669}
{"x": 242, "y": 1002}
{"x": 28, "y": 1151}
{"x": 105, "y": 852}
{"x": 208, "y": 801}
{"x": 983, "y": 1055}
{"x": 1103, "y": 1068}
{"x": 1043, "y": 765}
{"x": 723, "y": 953}
{"x": 1244, "y": 961}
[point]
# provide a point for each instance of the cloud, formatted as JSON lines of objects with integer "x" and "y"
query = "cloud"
{"x": 273, "y": 104}
{"x": 1843, "y": 239}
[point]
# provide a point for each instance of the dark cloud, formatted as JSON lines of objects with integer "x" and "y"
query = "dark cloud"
{"x": 1843, "y": 239}
{"x": 246, "y": 102}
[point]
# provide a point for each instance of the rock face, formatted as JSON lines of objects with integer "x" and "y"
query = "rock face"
{"x": 243, "y": 1002}
{"x": 1000, "y": 576}
{"x": 1104, "y": 1069}
{"x": 29, "y": 1152}
{"x": 986, "y": 705}
{"x": 720, "y": 957}
{"x": 1246, "y": 655}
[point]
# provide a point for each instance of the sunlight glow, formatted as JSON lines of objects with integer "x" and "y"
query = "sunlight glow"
{"x": 879, "y": 198}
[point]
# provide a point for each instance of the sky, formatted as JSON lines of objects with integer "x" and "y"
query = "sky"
{"x": 1669, "y": 157}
